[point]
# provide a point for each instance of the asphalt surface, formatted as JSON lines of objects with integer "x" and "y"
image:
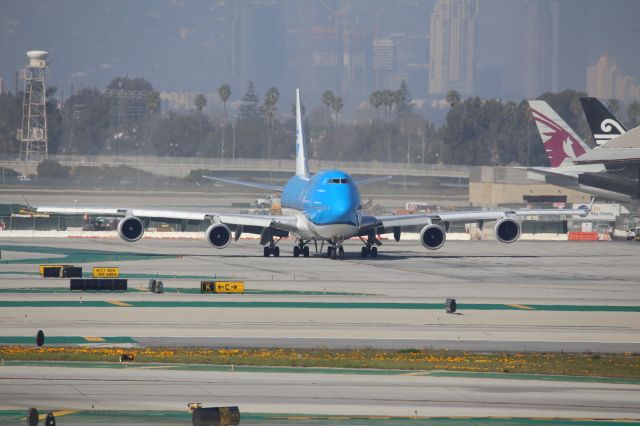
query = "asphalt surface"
{"x": 541, "y": 296}
{"x": 161, "y": 389}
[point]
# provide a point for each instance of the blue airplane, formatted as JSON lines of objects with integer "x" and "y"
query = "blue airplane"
{"x": 324, "y": 207}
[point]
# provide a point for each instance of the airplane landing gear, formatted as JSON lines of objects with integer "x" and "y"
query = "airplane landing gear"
{"x": 336, "y": 251}
{"x": 272, "y": 248}
{"x": 301, "y": 248}
{"x": 268, "y": 251}
{"x": 369, "y": 248}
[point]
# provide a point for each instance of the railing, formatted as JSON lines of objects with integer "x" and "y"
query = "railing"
{"x": 248, "y": 163}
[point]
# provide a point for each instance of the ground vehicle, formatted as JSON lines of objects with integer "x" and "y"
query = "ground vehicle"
{"x": 23, "y": 178}
{"x": 263, "y": 203}
{"x": 634, "y": 233}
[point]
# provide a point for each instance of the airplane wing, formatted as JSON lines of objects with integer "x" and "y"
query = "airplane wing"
{"x": 266, "y": 186}
{"x": 391, "y": 221}
{"x": 373, "y": 180}
{"x": 285, "y": 223}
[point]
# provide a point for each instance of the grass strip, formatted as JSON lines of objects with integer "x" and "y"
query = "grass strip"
{"x": 412, "y": 360}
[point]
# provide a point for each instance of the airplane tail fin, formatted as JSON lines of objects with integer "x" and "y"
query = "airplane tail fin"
{"x": 603, "y": 124}
{"x": 302, "y": 169}
{"x": 560, "y": 142}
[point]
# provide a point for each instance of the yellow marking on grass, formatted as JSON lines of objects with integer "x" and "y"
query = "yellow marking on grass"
{"x": 93, "y": 339}
{"x": 119, "y": 303}
{"x": 58, "y": 414}
{"x": 516, "y": 305}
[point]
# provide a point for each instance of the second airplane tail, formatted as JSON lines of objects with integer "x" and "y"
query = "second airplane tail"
{"x": 561, "y": 143}
{"x": 603, "y": 124}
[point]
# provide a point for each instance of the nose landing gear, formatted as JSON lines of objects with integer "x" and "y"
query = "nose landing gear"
{"x": 335, "y": 250}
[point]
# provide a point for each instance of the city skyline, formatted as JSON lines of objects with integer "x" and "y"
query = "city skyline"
{"x": 505, "y": 49}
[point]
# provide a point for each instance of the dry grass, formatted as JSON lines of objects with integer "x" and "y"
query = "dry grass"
{"x": 625, "y": 365}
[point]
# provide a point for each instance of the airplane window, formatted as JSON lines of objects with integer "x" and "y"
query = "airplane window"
{"x": 343, "y": 181}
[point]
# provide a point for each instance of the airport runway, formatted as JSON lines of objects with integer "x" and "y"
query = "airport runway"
{"x": 543, "y": 296}
{"x": 370, "y": 394}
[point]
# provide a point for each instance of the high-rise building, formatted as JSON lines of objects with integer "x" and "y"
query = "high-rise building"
{"x": 536, "y": 53}
{"x": 452, "y": 46}
{"x": 258, "y": 52}
{"x": 382, "y": 61}
{"x": 605, "y": 80}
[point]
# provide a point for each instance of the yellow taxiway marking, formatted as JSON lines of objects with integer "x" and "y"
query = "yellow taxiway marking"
{"x": 58, "y": 414}
{"x": 93, "y": 339}
{"x": 418, "y": 373}
{"x": 119, "y": 303}
{"x": 515, "y": 305}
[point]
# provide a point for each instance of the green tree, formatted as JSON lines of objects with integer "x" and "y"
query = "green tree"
{"x": 403, "y": 99}
{"x": 633, "y": 111}
{"x": 328, "y": 100}
{"x": 453, "y": 98}
{"x": 250, "y": 128}
{"x": 200, "y": 103}
{"x": 10, "y": 121}
{"x": 271, "y": 98}
{"x": 337, "y": 106}
{"x": 224, "y": 91}
{"x": 50, "y": 169}
{"x": 613, "y": 105}
{"x": 376, "y": 100}
{"x": 389, "y": 98}
{"x": 153, "y": 102}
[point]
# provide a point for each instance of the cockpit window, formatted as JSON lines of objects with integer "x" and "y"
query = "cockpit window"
{"x": 336, "y": 180}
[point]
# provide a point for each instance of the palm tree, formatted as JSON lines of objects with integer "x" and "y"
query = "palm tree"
{"x": 270, "y": 100}
{"x": 388, "y": 100}
{"x": 376, "y": 100}
{"x": 328, "y": 99}
{"x": 200, "y": 102}
{"x": 337, "y": 106}
{"x": 224, "y": 91}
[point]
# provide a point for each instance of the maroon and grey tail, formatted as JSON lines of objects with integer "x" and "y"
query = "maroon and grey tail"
{"x": 561, "y": 143}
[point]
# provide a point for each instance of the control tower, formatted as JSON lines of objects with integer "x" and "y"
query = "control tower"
{"x": 33, "y": 134}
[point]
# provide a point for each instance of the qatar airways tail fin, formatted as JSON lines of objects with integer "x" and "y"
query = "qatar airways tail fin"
{"x": 302, "y": 169}
{"x": 560, "y": 142}
{"x": 603, "y": 124}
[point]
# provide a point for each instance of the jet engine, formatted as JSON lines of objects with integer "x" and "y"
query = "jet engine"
{"x": 433, "y": 237}
{"x": 507, "y": 230}
{"x": 218, "y": 235}
{"x": 130, "y": 229}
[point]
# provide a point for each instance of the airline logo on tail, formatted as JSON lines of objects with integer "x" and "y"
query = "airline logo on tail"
{"x": 560, "y": 141}
{"x": 611, "y": 128}
{"x": 603, "y": 124}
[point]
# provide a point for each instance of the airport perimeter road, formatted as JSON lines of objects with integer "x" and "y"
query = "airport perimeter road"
{"x": 324, "y": 392}
{"x": 539, "y": 296}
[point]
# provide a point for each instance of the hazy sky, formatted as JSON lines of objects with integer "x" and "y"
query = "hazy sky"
{"x": 186, "y": 45}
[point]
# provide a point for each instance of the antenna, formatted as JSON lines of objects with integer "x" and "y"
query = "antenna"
{"x": 33, "y": 134}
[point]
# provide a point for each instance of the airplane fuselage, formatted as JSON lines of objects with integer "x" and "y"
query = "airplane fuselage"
{"x": 327, "y": 204}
